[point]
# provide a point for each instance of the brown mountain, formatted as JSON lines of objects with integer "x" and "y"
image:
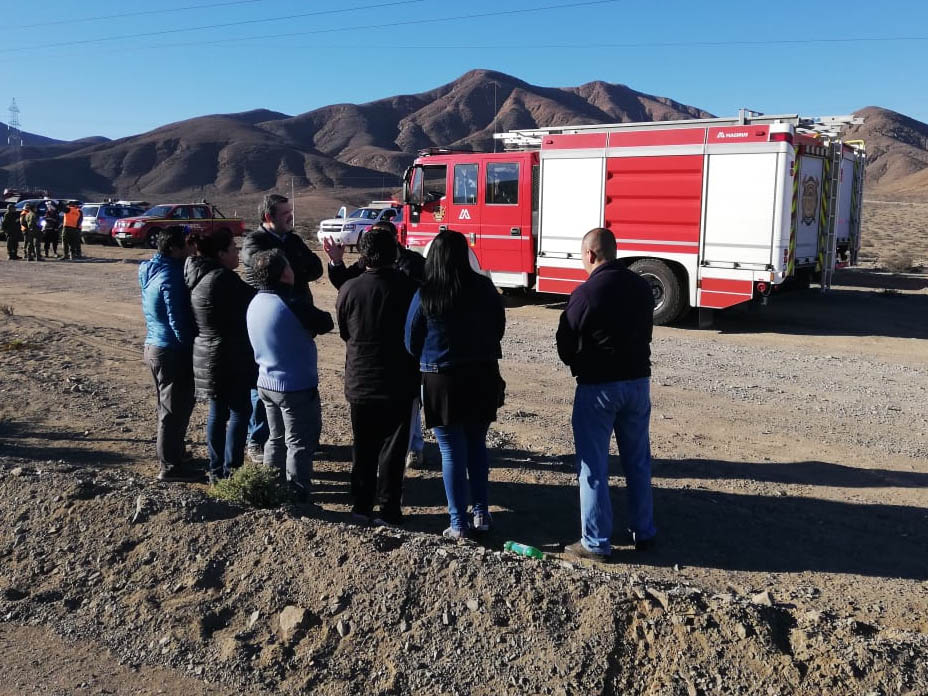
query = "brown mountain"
{"x": 383, "y": 135}
{"x": 349, "y": 145}
{"x": 368, "y": 145}
{"x": 897, "y": 153}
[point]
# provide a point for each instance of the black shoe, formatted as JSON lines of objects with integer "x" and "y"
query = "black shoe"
{"x": 578, "y": 550}
{"x": 298, "y": 493}
{"x": 388, "y": 519}
{"x": 641, "y": 544}
{"x": 176, "y": 473}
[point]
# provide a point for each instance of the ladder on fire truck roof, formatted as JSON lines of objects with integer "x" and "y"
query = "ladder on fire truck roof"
{"x": 827, "y": 126}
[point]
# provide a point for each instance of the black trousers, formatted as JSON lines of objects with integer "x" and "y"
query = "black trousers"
{"x": 381, "y": 437}
{"x": 172, "y": 373}
{"x": 51, "y": 240}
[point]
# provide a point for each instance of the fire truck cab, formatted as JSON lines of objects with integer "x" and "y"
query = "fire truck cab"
{"x": 490, "y": 198}
{"x": 712, "y": 212}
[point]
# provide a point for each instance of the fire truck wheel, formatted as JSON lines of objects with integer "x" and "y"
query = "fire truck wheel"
{"x": 669, "y": 300}
{"x": 151, "y": 239}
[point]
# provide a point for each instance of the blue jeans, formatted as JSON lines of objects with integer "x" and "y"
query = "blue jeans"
{"x": 465, "y": 467}
{"x": 295, "y": 423}
{"x": 623, "y": 408}
{"x": 226, "y": 429}
{"x": 257, "y": 425}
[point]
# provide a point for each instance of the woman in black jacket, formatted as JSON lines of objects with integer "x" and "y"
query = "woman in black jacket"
{"x": 224, "y": 367}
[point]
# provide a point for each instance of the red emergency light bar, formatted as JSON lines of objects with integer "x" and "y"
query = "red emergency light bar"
{"x": 783, "y": 137}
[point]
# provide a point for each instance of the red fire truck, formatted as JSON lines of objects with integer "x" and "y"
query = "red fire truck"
{"x": 713, "y": 212}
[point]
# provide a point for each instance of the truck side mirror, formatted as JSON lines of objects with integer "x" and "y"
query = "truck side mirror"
{"x": 342, "y": 212}
{"x": 406, "y": 196}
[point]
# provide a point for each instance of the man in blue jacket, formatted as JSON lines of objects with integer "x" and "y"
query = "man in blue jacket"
{"x": 605, "y": 337}
{"x": 168, "y": 348}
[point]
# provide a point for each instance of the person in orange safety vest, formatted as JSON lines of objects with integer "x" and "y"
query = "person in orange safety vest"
{"x": 71, "y": 234}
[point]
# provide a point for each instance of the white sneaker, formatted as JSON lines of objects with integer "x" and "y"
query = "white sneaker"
{"x": 482, "y": 521}
{"x": 453, "y": 533}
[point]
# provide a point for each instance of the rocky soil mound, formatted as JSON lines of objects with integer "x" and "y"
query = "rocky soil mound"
{"x": 274, "y": 601}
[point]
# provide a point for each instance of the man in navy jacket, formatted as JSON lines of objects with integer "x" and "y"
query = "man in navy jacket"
{"x": 604, "y": 336}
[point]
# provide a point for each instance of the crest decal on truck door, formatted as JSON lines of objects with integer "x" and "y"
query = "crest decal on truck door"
{"x": 809, "y": 199}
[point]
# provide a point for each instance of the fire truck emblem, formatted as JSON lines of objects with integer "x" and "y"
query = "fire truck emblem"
{"x": 809, "y": 199}
{"x": 465, "y": 214}
{"x": 439, "y": 213}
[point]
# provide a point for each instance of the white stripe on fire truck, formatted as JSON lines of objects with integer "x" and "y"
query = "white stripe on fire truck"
{"x": 655, "y": 241}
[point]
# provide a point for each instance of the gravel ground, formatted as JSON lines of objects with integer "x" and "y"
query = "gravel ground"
{"x": 789, "y": 457}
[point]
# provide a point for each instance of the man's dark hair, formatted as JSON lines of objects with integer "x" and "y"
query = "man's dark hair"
{"x": 378, "y": 247}
{"x": 269, "y": 205}
{"x": 385, "y": 225}
{"x": 171, "y": 238}
{"x": 601, "y": 242}
{"x": 267, "y": 267}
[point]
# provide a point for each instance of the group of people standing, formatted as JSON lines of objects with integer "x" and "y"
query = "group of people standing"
{"x": 423, "y": 336}
{"x": 23, "y": 226}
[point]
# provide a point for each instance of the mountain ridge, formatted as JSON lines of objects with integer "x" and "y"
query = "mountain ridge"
{"x": 368, "y": 144}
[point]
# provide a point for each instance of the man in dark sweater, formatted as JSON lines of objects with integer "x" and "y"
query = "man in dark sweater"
{"x": 381, "y": 378}
{"x": 604, "y": 336}
{"x": 276, "y": 232}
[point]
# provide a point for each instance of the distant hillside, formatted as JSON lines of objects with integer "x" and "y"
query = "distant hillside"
{"x": 369, "y": 145}
{"x": 347, "y": 145}
{"x": 897, "y": 153}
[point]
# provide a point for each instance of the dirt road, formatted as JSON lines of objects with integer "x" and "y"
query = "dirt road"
{"x": 790, "y": 441}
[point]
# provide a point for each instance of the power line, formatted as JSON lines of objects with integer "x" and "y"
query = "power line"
{"x": 654, "y": 44}
{"x": 314, "y": 31}
{"x": 513, "y": 46}
{"x": 380, "y": 25}
{"x": 140, "y": 13}
{"x": 225, "y": 25}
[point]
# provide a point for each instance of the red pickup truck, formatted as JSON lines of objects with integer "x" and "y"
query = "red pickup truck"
{"x": 194, "y": 217}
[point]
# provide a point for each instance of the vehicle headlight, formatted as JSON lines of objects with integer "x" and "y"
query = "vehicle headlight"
{"x": 138, "y": 224}
{"x": 348, "y": 228}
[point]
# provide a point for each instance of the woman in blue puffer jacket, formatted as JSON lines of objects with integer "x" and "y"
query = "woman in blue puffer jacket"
{"x": 168, "y": 342}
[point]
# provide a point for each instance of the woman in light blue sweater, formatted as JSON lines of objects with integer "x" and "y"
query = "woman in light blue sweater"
{"x": 281, "y": 328}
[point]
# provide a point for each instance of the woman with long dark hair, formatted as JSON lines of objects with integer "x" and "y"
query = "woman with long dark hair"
{"x": 454, "y": 327}
{"x": 224, "y": 368}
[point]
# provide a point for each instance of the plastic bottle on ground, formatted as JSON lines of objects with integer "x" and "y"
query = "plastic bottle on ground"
{"x": 523, "y": 550}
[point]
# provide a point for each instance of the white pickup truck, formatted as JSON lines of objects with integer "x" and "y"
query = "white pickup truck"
{"x": 347, "y": 229}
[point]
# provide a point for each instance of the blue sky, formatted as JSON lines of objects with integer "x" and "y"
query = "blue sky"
{"x": 125, "y": 75}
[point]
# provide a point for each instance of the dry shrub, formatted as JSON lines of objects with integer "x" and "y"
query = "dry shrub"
{"x": 15, "y": 344}
{"x": 254, "y": 485}
{"x": 6, "y": 310}
{"x": 897, "y": 262}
